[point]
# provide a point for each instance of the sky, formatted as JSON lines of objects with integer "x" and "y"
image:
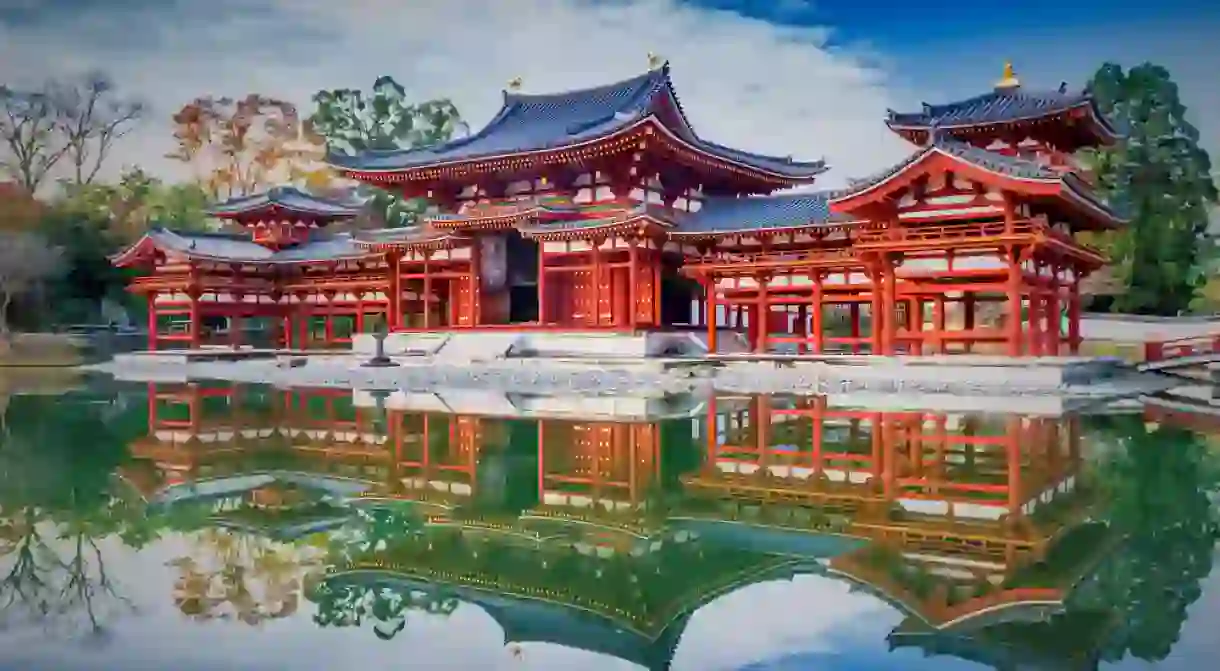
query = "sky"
{"x": 787, "y": 77}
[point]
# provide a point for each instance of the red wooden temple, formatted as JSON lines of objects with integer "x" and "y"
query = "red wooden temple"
{"x": 602, "y": 209}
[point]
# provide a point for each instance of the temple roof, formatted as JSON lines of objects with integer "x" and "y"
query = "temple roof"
{"x": 755, "y": 213}
{"x": 240, "y": 248}
{"x": 542, "y": 122}
{"x": 1011, "y": 167}
{"x": 286, "y": 198}
{"x": 1007, "y": 103}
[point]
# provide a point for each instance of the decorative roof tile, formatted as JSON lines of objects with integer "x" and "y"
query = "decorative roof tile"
{"x": 287, "y": 198}
{"x": 529, "y": 123}
{"x": 756, "y": 213}
{"x": 1003, "y": 105}
{"x": 400, "y": 236}
{"x": 239, "y": 248}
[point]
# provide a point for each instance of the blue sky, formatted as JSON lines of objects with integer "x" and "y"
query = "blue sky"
{"x": 811, "y": 79}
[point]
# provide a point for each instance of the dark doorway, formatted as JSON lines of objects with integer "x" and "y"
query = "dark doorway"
{"x": 521, "y": 255}
{"x": 677, "y": 297}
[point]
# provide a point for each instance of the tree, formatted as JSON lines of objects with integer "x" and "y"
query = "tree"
{"x": 90, "y": 117}
{"x": 77, "y": 119}
{"x": 238, "y": 147}
{"x": 1162, "y": 177}
{"x": 26, "y": 260}
{"x": 19, "y": 209}
{"x": 352, "y": 123}
{"x": 137, "y": 201}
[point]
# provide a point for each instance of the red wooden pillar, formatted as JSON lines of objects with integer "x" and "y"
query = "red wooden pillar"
{"x": 710, "y": 311}
{"x": 358, "y": 320}
{"x": 915, "y": 325}
{"x": 815, "y": 320}
{"x": 152, "y": 321}
{"x": 877, "y": 312}
{"x": 1074, "y": 316}
{"x": 854, "y": 317}
{"x": 1037, "y": 331}
{"x": 968, "y": 303}
{"x": 1013, "y": 294}
{"x": 393, "y": 314}
{"x": 657, "y": 263}
{"x": 196, "y": 326}
{"x": 1054, "y": 326}
{"x": 802, "y": 329}
{"x": 633, "y": 283}
{"x": 762, "y": 314}
{"x": 938, "y": 323}
{"x": 427, "y": 297}
{"x": 544, "y": 299}
{"x": 596, "y": 292}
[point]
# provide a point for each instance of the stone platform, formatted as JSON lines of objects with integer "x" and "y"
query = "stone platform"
{"x": 491, "y": 344}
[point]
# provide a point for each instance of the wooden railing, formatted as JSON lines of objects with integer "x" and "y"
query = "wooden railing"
{"x": 1181, "y": 347}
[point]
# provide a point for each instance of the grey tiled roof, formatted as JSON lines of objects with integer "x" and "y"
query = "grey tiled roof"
{"x": 286, "y": 198}
{"x": 998, "y": 106}
{"x": 756, "y": 213}
{"x": 236, "y": 247}
{"x": 1011, "y": 166}
{"x": 528, "y": 123}
{"x": 399, "y": 235}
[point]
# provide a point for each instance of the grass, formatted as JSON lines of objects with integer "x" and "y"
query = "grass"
{"x": 40, "y": 350}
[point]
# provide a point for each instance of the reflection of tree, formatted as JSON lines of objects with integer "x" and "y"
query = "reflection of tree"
{"x": 350, "y": 604}
{"x": 343, "y": 602}
{"x": 242, "y": 576}
{"x": 1158, "y": 482}
{"x": 56, "y": 506}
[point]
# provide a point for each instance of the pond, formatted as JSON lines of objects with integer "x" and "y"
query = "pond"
{"x": 213, "y": 526}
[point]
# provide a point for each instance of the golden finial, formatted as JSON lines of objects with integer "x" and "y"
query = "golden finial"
{"x": 514, "y": 84}
{"x": 1010, "y": 80}
{"x": 654, "y": 61}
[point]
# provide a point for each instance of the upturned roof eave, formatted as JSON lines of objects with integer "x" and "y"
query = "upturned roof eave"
{"x": 803, "y": 172}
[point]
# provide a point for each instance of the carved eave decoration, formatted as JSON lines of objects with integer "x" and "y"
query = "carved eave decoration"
{"x": 430, "y": 244}
{"x": 733, "y": 237}
{"x": 638, "y": 225}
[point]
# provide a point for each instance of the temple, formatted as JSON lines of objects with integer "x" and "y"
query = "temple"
{"x": 603, "y": 210}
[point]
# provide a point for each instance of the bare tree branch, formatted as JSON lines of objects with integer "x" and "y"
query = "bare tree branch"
{"x": 29, "y": 145}
{"x": 90, "y": 117}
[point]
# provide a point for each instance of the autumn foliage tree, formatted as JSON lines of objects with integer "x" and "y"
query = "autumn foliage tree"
{"x": 241, "y": 146}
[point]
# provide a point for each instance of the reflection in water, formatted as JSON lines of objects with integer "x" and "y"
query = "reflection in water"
{"x": 605, "y": 524}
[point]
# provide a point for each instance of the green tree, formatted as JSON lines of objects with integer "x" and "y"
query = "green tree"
{"x": 136, "y": 202}
{"x": 1162, "y": 177}
{"x": 352, "y": 123}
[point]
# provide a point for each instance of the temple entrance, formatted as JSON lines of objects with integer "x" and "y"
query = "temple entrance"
{"x": 510, "y": 279}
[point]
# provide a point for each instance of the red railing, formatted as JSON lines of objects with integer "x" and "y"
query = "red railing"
{"x": 1181, "y": 347}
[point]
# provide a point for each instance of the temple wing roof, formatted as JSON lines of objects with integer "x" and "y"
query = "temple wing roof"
{"x": 755, "y": 213}
{"x": 406, "y": 235}
{"x": 240, "y": 248}
{"x": 530, "y": 123}
{"x": 1009, "y": 167}
{"x": 1003, "y": 105}
{"x": 285, "y": 198}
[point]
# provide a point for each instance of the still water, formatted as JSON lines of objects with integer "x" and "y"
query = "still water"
{"x": 207, "y": 526}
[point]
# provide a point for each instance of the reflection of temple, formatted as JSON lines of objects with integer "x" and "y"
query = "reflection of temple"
{"x": 976, "y": 523}
{"x": 600, "y": 524}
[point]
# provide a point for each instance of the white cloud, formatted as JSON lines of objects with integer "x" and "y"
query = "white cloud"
{"x": 745, "y": 83}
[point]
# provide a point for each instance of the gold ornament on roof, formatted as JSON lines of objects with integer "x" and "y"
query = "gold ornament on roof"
{"x": 514, "y": 84}
{"x": 654, "y": 61}
{"x": 1009, "y": 80}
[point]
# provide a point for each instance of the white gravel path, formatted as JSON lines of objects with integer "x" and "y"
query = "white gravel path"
{"x": 539, "y": 378}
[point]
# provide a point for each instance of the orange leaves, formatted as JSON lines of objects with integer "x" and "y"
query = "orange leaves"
{"x": 241, "y": 146}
